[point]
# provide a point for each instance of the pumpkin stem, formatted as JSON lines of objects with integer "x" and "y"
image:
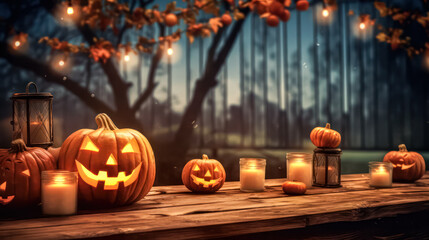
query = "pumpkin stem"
{"x": 104, "y": 121}
{"x": 205, "y": 157}
{"x": 402, "y": 148}
{"x": 17, "y": 146}
{"x": 328, "y": 126}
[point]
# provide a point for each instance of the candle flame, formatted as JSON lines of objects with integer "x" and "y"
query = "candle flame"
{"x": 61, "y": 63}
{"x": 17, "y": 43}
{"x": 362, "y": 26}
{"x": 127, "y": 58}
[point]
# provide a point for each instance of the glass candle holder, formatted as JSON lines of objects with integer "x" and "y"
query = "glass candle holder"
{"x": 252, "y": 174}
{"x": 299, "y": 167}
{"x": 59, "y": 192}
{"x": 380, "y": 174}
{"x": 327, "y": 167}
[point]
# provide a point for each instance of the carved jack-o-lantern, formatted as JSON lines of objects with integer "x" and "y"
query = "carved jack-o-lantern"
{"x": 115, "y": 166}
{"x": 407, "y": 166}
{"x": 20, "y": 171}
{"x": 203, "y": 175}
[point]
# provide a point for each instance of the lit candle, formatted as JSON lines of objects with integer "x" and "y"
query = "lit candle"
{"x": 36, "y": 133}
{"x": 252, "y": 175}
{"x": 59, "y": 192}
{"x": 380, "y": 174}
{"x": 299, "y": 168}
{"x": 321, "y": 171}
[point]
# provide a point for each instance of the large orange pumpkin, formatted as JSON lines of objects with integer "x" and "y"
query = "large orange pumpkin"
{"x": 20, "y": 174}
{"x": 407, "y": 166}
{"x": 115, "y": 166}
{"x": 325, "y": 137}
{"x": 203, "y": 175}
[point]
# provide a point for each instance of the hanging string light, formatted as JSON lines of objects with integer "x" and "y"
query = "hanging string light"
{"x": 169, "y": 49}
{"x": 325, "y": 12}
{"x": 17, "y": 43}
{"x": 70, "y": 9}
{"x": 126, "y": 57}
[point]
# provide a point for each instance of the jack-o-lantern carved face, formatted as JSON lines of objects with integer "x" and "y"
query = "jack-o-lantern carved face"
{"x": 407, "y": 166}
{"x": 203, "y": 175}
{"x": 20, "y": 171}
{"x": 110, "y": 182}
{"x": 115, "y": 166}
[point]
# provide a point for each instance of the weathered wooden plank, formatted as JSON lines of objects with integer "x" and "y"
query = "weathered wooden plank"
{"x": 172, "y": 210}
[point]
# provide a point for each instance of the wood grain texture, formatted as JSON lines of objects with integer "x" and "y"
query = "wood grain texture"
{"x": 174, "y": 212}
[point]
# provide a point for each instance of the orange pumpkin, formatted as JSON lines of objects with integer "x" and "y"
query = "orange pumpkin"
{"x": 115, "y": 166}
{"x": 20, "y": 174}
{"x": 294, "y": 188}
{"x": 325, "y": 137}
{"x": 203, "y": 175}
{"x": 407, "y": 166}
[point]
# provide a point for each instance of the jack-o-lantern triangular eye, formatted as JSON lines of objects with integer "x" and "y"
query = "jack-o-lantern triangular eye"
{"x": 89, "y": 145}
{"x": 3, "y": 186}
{"x": 216, "y": 169}
{"x": 196, "y": 168}
{"x": 26, "y": 172}
{"x": 131, "y": 147}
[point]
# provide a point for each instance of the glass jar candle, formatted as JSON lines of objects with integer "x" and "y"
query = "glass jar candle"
{"x": 59, "y": 192}
{"x": 299, "y": 167}
{"x": 327, "y": 167}
{"x": 380, "y": 174}
{"x": 252, "y": 174}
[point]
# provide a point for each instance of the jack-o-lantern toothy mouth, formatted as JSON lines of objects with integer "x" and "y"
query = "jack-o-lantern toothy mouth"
{"x": 403, "y": 166}
{"x": 110, "y": 183}
{"x": 205, "y": 183}
{"x": 8, "y": 199}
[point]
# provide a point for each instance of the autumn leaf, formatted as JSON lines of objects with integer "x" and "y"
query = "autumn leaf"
{"x": 382, "y": 37}
{"x": 215, "y": 24}
{"x": 381, "y": 7}
{"x": 238, "y": 15}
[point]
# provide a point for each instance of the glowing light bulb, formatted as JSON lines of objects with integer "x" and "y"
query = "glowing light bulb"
{"x": 17, "y": 43}
{"x": 362, "y": 25}
{"x": 61, "y": 63}
{"x": 325, "y": 13}
{"x": 70, "y": 10}
{"x": 127, "y": 58}
{"x": 170, "y": 51}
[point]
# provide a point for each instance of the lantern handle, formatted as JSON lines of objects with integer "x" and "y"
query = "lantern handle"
{"x": 27, "y": 88}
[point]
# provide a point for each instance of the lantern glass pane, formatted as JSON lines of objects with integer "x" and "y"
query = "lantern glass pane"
{"x": 40, "y": 131}
{"x": 20, "y": 119}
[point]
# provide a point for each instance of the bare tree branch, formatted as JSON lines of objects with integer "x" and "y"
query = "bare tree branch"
{"x": 119, "y": 86}
{"x": 47, "y": 73}
{"x": 151, "y": 84}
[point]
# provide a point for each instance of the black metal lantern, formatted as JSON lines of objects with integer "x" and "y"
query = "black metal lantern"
{"x": 32, "y": 117}
{"x": 327, "y": 167}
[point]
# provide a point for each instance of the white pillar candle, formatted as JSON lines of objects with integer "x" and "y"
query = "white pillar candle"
{"x": 300, "y": 171}
{"x": 380, "y": 174}
{"x": 59, "y": 192}
{"x": 252, "y": 175}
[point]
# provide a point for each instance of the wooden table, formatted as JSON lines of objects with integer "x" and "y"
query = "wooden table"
{"x": 175, "y": 213}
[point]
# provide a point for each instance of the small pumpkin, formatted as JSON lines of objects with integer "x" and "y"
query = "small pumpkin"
{"x": 115, "y": 166}
{"x": 407, "y": 166}
{"x": 294, "y": 188}
{"x": 20, "y": 174}
{"x": 325, "y": 137}
{"x": 203, "y": 175}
